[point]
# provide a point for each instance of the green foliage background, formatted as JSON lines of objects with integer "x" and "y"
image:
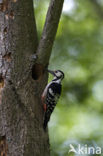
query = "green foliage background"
{"x": 78, "y": 51}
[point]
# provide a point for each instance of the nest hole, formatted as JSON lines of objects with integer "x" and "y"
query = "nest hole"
{"x": 37, "y": 71}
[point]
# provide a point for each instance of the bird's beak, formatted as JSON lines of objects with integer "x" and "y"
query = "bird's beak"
{"x": 51, "y": 72}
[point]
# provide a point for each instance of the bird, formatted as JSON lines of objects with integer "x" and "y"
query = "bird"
{"x": 51, "y": 95}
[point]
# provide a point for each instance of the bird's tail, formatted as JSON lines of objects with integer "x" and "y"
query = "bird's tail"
{"x": 46, "y": 119}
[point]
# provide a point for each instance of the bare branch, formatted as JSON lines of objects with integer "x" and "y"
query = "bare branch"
{"x": 49, "y": 31}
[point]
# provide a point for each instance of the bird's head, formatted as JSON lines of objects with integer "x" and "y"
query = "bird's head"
{"x": 58, "y": 75}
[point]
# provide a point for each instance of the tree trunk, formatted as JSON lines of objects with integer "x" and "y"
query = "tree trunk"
{"x": 22, "y": 80}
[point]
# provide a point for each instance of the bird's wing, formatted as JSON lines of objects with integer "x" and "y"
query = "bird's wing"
{"x": 53, "y": 94}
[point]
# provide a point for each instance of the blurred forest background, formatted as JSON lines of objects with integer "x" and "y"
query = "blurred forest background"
{"x": 78, "y": 51}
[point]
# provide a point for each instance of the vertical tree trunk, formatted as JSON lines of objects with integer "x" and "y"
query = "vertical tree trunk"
{"x": 21, "y": 115}
{"x": 23, "y": 77}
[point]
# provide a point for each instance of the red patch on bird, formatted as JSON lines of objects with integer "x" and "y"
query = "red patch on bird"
{"x": 44, "y": 107}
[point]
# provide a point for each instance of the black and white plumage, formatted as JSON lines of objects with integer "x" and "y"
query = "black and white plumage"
{"x": 51, "y": 95}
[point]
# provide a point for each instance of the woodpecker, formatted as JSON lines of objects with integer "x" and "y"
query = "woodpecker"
{"x": 51, "y": 95}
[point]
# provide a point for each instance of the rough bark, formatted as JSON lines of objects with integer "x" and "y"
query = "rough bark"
{"x": 23, "y": 78}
